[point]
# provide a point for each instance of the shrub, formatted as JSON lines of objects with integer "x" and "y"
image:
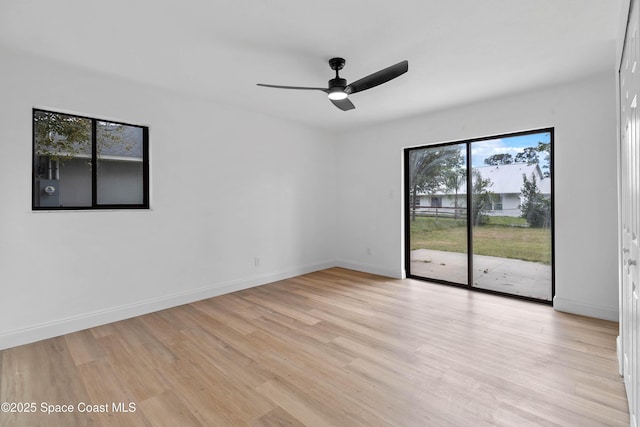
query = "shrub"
{"x": 535, "y": 208}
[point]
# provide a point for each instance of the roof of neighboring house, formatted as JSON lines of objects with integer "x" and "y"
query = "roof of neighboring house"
{"x": 507, "y": 179}
{"x": 127, "y": 141}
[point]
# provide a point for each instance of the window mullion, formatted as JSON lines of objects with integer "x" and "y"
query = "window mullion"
{"x": 94, "y": 163}
{"x": 470, "y": 216}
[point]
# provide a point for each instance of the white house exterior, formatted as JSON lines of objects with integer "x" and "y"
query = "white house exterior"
{"x": 505, "y": 183}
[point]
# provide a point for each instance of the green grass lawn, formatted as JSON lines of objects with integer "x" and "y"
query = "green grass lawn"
{"x": 504, "y": 237}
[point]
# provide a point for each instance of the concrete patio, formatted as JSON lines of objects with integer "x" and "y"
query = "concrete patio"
{"x": 529, "y": 279}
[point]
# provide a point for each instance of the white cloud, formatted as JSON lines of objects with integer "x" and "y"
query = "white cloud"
{"x": 482, "y": 149}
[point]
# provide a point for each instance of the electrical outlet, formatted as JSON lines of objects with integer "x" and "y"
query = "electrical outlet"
{"x": 256, "y": 261}
{"x": 368, "y": 251}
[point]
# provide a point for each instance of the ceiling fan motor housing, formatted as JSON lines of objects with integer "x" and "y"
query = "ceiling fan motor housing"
{"x": 337, "y": 82}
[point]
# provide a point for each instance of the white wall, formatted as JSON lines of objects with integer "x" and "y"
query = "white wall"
{"x": 226, "y": 186}
{"x": 583, "y": 113}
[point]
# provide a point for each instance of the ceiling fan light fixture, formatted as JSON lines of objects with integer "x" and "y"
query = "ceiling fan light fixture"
{"x": 337, "y": 94}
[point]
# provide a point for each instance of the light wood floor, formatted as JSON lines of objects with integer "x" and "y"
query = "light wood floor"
{"x": 329, "y": 348}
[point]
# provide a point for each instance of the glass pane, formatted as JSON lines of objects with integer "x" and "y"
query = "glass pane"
{"x": 62, "y": 160}
{"x": 438, "y": 213}
{"x": 511, "y": 215}
{"x": 120, "y": 165}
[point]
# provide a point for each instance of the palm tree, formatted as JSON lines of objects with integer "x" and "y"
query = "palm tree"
{"x": 454, "y": 179}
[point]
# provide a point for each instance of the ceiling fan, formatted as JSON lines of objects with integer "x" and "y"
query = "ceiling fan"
{"x": 339, "y": 90}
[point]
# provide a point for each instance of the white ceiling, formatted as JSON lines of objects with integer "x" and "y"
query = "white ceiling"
{"x": 458, "y": 51}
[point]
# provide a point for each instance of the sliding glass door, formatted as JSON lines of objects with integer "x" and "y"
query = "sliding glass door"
{"x": 479, "y": 214}
{"x": 438, "y": 212}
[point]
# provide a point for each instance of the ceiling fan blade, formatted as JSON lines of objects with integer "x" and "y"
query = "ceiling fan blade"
{"x": 343, "y": 104}
{"x": 377, "y": 78}
{"x": 294, "y": 87}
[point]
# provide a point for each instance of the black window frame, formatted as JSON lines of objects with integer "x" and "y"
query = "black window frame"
{"x": 94, "y": 161}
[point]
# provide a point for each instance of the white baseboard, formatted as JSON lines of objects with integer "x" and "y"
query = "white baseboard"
{"x": 619, "y": 354}
{"x": 373, "y": 269}
{"x": 583, "y": 309}
{"x": 89, "y": 320}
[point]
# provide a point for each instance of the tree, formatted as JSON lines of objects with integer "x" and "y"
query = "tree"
{"x": 535, "y": 208}
{"x": 529, "y": 156}
{"x": 482, "y": 198}
{"x": 499, "y": 159}
{"x": 427, "y": 171}
{"x": 453, "y": 180}
{"x": 545, "y": 147}
{"x": 60, "y": 136}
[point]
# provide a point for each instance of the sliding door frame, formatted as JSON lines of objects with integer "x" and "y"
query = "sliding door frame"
{"x": 469, "y": 195}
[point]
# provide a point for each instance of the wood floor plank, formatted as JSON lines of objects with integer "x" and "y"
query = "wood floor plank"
{"x": 225, "y": 315}
{"x": 235, "y": 375}
{"x": 277, "y": 417}
{"x": 166, "y": 332}
{"x": 139, "y": 378}
{"x": 334, "y": 347}
{"x": 105, "y": 388}
{"x": 309, "y": 411}
{"x": 200, "y": 393}
{"x": 43, "y": 374}
{"x": 166, "y": 409}
{"x": 83, "y": 348}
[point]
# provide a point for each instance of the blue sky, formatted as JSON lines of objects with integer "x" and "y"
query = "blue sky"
{"x": 513, "y": 145}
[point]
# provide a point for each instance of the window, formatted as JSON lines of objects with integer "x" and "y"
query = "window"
{"x": 85, "y": 163}
{"x": 497, "y": 202}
